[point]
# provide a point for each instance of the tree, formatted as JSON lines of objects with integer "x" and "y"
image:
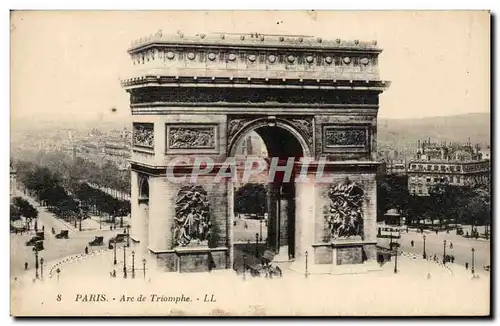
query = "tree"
{"x": 251, "y": 198}
{"x": 15, "y": 213}
{"x": 25, "y": 209}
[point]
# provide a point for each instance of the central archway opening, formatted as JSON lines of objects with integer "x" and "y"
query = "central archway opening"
{"x": 265, "y": 211}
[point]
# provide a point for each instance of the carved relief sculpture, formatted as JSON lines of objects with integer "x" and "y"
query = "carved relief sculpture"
{"x": 345, "y": 216}
{"x": 143, "y": 135}
{"x": 191, "y": 137}
{"x": 305, "y": 127}
{"x": 235, "y": 125}
{"x": 192, "y": 217}
{"x": 345, "y": 137}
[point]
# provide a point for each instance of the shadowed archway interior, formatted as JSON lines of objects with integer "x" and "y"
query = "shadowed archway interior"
{"x": 280, "y": 200}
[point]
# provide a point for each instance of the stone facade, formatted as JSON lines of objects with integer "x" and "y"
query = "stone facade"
{"x": 439, "y": 163}
{"x": 201, "y": 96}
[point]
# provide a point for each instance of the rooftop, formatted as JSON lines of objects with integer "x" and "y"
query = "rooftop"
{"x": 252, "y": 40}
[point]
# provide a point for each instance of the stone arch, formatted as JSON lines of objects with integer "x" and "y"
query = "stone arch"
{"x": 254, "y": 125}
{"x": 143, "y": 187}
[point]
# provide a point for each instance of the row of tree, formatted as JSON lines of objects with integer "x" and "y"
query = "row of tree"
{"x": 446, "y": 202}
{"x": 72, "y": 201}
{"x": 73, "y": 170}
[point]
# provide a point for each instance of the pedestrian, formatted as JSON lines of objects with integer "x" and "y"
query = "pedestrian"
{"x": 466, "y": 266}
{"x": 43, "y": 228}
{"x": 86, "y": 250}
{"x": 428, "y": 276}
{"x": 412, "y": 243}
{"x": 451, "y": 245}
{"x": 26, "y": 265}
{"x": 436, "y": 232}
{"x": 452, "y": 259}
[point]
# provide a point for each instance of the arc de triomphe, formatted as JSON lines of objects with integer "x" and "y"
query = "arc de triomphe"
{"x": 306, "y": 97}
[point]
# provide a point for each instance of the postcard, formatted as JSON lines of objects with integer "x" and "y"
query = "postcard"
{"x": 250, "y": 163}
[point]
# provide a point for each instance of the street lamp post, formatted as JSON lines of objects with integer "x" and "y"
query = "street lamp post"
{"x": 114, "y": 252}
{"x": 244, "y": 266}
{"x": 444, "y": 251}
{"x": 128, "y": 235}
{"x": 124, "y": 262}
{"x": 390, "y": 243}
{"x": 425, "y": 254}
{"x": 472, "y": 267}
{"x": 256, "y": 245}
{"x": 36, "y": 263}
{"x": 260, "y": 222}
{"x": 144, "y": 267}
{"x": 307, "y": 274}
{"x": 396, "y": 261}
{"x": 41, "y": 267}
{"x": 133, "y": 266}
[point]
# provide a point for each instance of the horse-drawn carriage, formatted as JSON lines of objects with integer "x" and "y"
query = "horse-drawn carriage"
{"x": 265, "y": 268}
{"x": 120, "y": 237}
{"x": 64, "y": 234}
{"x": 34, "y": 240}
{"x": 98, "y": 241}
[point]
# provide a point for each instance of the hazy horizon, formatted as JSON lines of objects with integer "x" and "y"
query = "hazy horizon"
{"x": 67, "y": 65}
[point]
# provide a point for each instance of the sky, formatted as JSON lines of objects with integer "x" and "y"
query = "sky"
{"x": 67, "y": 65}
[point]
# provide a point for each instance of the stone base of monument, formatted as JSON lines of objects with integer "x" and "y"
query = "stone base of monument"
{"x": 193, "y": 259}
{"x": 282, "y": 256}
{"x": 299, "y": 266}
{"x": 339, "y": 257}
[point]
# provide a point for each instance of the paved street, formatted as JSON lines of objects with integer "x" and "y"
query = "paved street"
{"x": 409, "y": 292}
{"x": 246, "y": 228}
{"x": 434, "y": 245}
{"x": 54, "y": 248}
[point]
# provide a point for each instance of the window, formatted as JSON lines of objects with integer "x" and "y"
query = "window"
{"x": 435, "y": 179}
{"x": 428, "y": 179}
{"x": 435, "y": 167}
{"x": 429, "y": 167}
{"x": 420, "y": 191}
{"x": 443, "y": 168}
{"x": 413, "y": 166}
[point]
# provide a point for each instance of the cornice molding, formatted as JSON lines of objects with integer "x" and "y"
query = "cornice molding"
{"x": 251, "y": 40}
{"x": 249, "y": 82}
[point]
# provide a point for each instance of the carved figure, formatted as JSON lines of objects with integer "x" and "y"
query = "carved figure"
{"x": 191, "y": 138}
{"x": 345, "y": 217}
{"x": 192, "y": 216}
{"x": 354, "y": 137}
{"x": 143, "y": 135}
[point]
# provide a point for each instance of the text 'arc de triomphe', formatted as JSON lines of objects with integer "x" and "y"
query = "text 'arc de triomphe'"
{"x": 306, "y": 97}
